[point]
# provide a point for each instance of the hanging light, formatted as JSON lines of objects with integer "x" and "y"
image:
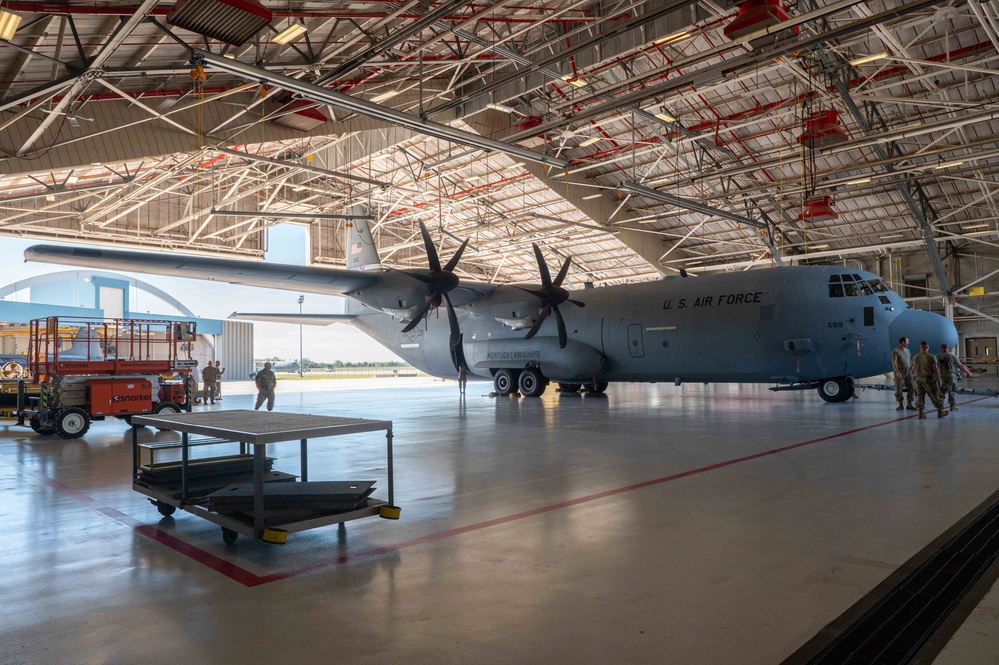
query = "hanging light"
{"x": 665, "y": 117}
{"x": 868, "y": 58}
{"x": 589, "y": 141}
{"x": 500, "y": 107}
{"x": 8, "y": 24}
{"x": 293, "y": 31}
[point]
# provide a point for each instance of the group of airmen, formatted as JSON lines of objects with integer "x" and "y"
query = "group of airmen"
{"x": 925, "y": 374}
{"x": 211, "y": 376}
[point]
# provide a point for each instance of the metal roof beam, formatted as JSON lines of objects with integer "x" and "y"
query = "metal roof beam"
{"x": 363, "y": 107}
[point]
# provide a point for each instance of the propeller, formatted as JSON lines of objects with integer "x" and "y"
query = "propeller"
{"x": 551, "y": 296}
{"x": 439, "y": 282}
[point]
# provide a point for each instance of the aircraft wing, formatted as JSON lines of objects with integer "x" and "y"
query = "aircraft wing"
{"x": 311, "y": 279}
{"x": 300, "y": 319}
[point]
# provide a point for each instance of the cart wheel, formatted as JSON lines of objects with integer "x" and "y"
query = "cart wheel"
{"x": 229, "y": 536}
{"x": 166, "y": 510}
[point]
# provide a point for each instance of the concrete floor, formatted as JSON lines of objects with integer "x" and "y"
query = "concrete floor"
{"x": 703, "y": 525}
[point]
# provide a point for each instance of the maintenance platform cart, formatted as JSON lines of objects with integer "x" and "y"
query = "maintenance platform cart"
{"x": 239, "y": 490}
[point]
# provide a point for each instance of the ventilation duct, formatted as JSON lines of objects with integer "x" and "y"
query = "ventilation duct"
{"x": 818, "y": 209}
{"x": 231, "y": 21}
{"x": 822, "y": 129}
{"x": 301, "y": 115}
{"x": 756, "y": 15}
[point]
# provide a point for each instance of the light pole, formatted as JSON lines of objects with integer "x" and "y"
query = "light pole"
{"x": 301, "y": 344}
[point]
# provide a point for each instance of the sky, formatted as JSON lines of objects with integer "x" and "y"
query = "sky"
{"x": 213, "y": 300}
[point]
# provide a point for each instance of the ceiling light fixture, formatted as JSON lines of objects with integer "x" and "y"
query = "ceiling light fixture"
{"x": 293, "y": 31}
{"x": 976, "y": 226}
{"x": 868, "y": 58}
{"x": 861, "y": 181}
{"x": 891, "y": 235}
{"x": 589, "y": 141}
{"x": 947, "y": 165}
{"x": 979, "y": 233}
{"x": 385, "y": 95}
{"x": 665, "y": 117}
{"x": 818, "y": 246}
{"x": 669, "y": 39}
{"x": 500, "y": 107}
{"x": 572, "y": 79}
{"x": 8, "y": 24}
{"x": 592, "y": 196}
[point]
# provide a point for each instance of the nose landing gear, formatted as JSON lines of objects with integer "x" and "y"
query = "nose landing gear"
{"x": 839, "y": 389}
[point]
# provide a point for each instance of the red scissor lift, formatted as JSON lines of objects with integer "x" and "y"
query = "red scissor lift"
{"x": 89, "y": 369}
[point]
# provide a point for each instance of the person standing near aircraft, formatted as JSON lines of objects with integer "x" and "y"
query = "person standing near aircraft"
{"x": 927, "y": 371}
{"x": 210, "y": 377}
{"x": 902, "y": 363}
{"x": 949, "y": 366}
{"x": 194, "y": 384}
{"x": 218, "y": 381}
{"x": 462, "y": 377}
{"x": 266, "y": 382}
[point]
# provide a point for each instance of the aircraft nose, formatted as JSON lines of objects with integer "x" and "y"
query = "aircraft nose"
{"x": 920, "y": 326}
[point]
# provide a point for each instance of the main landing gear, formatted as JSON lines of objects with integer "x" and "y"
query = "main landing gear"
{"x": 531, "y": 383}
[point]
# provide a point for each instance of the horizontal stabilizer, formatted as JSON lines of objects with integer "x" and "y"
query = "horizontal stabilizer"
{"x": 299, "y": 319}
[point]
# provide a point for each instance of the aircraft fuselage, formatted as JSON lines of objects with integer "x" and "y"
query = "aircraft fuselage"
{"x": 783, "y": 325}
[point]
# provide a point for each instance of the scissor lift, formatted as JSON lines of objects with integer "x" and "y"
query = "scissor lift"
{"x": 88, "y": 369}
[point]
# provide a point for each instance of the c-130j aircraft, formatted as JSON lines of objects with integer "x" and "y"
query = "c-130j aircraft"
{"x": 798, "y": 327}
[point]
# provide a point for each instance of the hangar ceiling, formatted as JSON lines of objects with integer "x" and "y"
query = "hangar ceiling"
{"x": 662, "y": 135}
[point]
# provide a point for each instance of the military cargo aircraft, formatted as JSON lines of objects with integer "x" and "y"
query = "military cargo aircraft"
{"x": 797, "y": 327}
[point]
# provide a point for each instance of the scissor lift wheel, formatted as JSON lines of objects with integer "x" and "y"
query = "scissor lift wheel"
{"x": 71, "y": 423}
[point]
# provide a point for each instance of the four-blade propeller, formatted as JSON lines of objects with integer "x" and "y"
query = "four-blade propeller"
{"x": 551, "y": 296}
{"x": 439, "y": 282}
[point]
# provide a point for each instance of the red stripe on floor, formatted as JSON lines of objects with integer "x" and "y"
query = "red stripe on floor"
{"x": 247, "y": 578}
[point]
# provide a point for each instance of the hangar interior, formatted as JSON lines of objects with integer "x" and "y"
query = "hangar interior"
{"x": 641, "y": 138}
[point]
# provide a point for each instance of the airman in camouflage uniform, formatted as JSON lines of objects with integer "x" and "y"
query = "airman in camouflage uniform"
{"x": 927, "y": 372}
{"x": 266, "y": 382}
{"x": 949, "y": 366}
{"x": 902, "y": 363}
{"x": 210, "y": 377}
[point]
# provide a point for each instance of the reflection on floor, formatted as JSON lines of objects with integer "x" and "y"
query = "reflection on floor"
{"x": 702, "y": 524}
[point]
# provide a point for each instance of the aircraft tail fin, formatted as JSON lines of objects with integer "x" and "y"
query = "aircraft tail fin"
{"x": 84, "y": 346}
{"x": 362, "y": 254}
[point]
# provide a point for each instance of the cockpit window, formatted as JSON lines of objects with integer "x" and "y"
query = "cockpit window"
{"x": 853, "y": 285}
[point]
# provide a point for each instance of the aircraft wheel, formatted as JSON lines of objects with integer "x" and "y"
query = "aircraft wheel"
{"x": 839, "y": 389}
{"x": 570, "y": 387}
{"x": 71, "y": 423}
{"x": 504, "y": 382}
{"x": 36, "y": 424}
{"x": 595, "y": 389}
{"x": 531, "y": 383}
